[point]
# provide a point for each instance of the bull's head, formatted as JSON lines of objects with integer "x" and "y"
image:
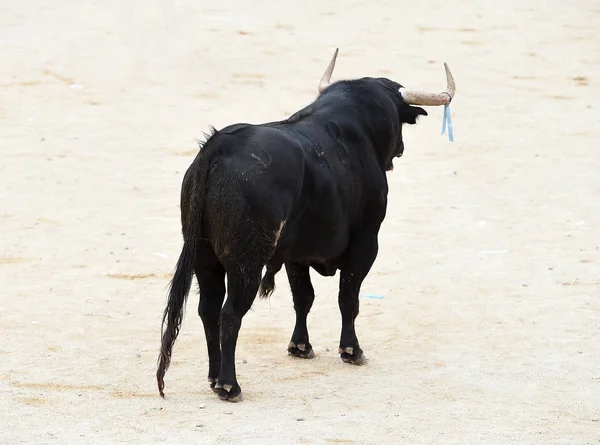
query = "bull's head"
{"x": 407, "y": 113}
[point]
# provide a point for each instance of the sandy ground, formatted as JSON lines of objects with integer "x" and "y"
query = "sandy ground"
{"x": 489, "y": 326}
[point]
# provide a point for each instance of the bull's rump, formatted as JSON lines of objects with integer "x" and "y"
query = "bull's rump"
{"x": 268, "y": 193}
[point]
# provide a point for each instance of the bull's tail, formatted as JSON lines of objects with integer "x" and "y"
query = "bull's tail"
{"x": 173, "y": 315}
{"x": 192, "y": 203}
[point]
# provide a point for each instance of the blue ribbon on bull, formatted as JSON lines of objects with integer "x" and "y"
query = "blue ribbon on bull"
{"x": 448, "y": 118}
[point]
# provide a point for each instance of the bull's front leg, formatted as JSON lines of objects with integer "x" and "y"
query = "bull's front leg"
{"x": 356, "y": 265}
{"x": 303, "y": 294}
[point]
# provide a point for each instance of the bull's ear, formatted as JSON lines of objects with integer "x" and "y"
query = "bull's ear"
{"x": 410, "y": 114}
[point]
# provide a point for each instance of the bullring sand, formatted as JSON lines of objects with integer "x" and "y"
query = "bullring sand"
{"x": 488, "y": 331}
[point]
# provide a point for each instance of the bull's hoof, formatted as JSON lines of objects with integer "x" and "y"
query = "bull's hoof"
{"x": 231, "y": 393}
{"x": 301, "y": 350}
{"x": 352, "y": 355}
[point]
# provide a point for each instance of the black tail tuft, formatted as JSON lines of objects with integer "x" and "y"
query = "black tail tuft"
{"x": 173, "y": 314}
{"x": 207, "y": 135}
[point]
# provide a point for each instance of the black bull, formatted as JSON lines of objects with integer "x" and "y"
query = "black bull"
{"x": 308, "y": 191}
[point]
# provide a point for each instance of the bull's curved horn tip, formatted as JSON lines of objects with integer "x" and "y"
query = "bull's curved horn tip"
{"x": 414, "y": 97}
{"x": 326, "y": 79}
{"x": 451, "y": 85}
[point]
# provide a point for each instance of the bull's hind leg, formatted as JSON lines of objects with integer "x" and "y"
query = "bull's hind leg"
{"x": 356, "y": 266}
{"x": 211, "y": 281}
{"x": 304, "y": 295}
{"x": 242, "y": 286}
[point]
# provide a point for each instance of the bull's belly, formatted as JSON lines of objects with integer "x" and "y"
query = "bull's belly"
{"x": 327, "y": 269}
{"x": 322, "y": 247}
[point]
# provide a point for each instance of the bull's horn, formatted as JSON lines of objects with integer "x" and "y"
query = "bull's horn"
{"x": 326, "y": 79}
{"x": 413, "y": 97}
